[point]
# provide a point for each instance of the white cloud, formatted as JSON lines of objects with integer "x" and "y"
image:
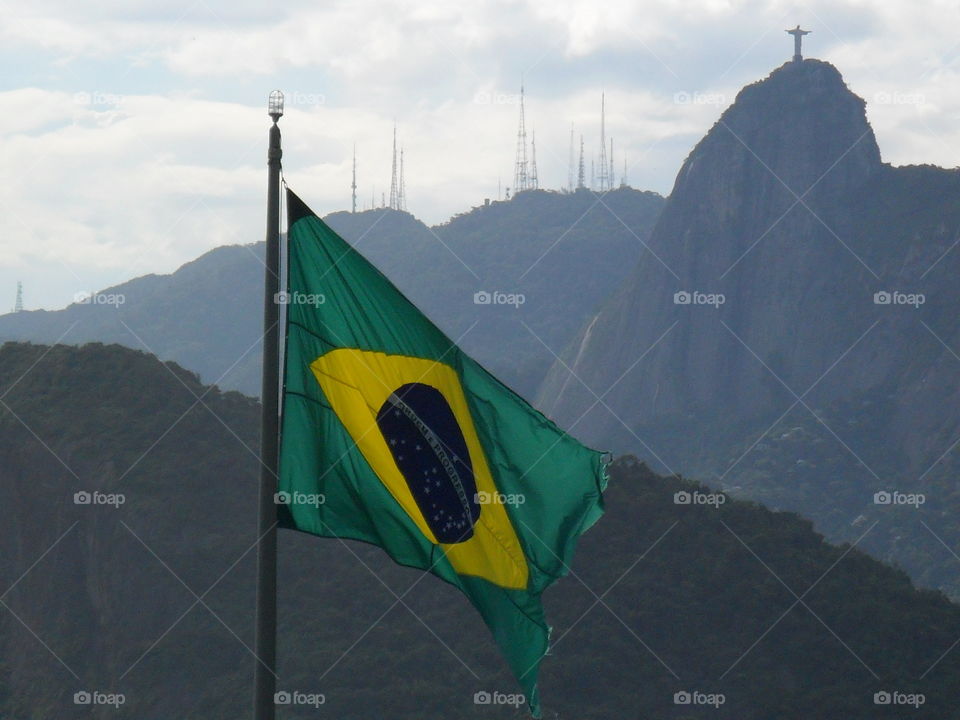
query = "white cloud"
{"x": 134, "y": 138}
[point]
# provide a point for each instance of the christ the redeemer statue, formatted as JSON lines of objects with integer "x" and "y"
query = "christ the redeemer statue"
{"x": 797, "y": 39}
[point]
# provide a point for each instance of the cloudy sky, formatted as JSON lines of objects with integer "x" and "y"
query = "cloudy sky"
{"x": 132, "y": 132}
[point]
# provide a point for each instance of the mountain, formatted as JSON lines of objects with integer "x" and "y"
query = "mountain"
{"x": 530, "y": 252}
{"x": 207, "y": 316}
{"x": 791, "y": 335}
{"x": 147, "y": 591}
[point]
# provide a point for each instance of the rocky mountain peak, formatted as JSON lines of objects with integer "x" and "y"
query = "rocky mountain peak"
{"x": 758, "y": 341}
{"x": 800, "y": 127}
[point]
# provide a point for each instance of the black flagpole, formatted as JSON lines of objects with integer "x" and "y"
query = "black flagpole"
{"x": 265, "y": 638}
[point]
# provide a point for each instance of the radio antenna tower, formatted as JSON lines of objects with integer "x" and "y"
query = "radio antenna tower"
{"x": 353, "y": 185}
{"x": 394, "y": 189}
{"x": 623, "y": 178}
{"x": 18, "y": 305}
{"x": 533, "y": 182}
{"x": 402, "y": 195}
{"x": 580, "y": 177}
{"x": 613, "y": 175}
{"x": 520, "y": 177}
{"x": 604, "y": 169}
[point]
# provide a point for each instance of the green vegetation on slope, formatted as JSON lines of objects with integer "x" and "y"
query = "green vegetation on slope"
{"x": 736, "y": 600}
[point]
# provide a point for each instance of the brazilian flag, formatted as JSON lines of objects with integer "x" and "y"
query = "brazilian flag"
{"x": 394, "y": 436}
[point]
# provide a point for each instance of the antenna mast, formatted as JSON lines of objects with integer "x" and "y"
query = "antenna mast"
{"x": 18, "y": 305}
{"x": 604, "y": 170}
{"x": 394, "y": 190}
{"x": 402, "y": 195}
{"x": 533, "y": 182}
{"x": 580, "y": 171}
{"x": 520, "y": 177}
{"x": 613, "y": 175}
{"x": 353, "y": 185}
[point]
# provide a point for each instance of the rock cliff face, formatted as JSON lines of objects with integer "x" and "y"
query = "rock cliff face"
{"x": 782, "y": 226}
{"x": 733, "y": 225}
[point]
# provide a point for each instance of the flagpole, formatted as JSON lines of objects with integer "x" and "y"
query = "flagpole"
{"x": 265, "y": 637}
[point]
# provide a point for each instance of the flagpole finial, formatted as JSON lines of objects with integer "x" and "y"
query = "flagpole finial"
{"x": 275, "y": 105}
